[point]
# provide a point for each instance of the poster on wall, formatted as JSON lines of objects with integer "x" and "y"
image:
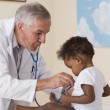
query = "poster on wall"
{"x": 93, "y": 21}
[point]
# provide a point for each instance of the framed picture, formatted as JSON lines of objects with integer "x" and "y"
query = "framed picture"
{"x": 93, "y": 21}
{"x": 15, "y": 0}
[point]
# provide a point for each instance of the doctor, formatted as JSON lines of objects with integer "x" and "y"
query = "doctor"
{"x": 20, "y": 39}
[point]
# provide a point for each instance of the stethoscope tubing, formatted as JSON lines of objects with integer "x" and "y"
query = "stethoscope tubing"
{"x": 35, "y": 68}
{"x": 64, "y": 93}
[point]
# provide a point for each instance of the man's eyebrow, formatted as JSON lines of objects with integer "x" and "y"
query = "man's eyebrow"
{"x": 39, "y": 31}
{"x": 42, "y": 31}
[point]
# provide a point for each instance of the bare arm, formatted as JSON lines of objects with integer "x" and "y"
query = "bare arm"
{"x": 106, "y": 91}
{"x": 87, "y": 97}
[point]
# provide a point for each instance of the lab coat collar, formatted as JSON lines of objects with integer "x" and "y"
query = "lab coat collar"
{"x": 10, "y": 24}
{"x": 9, "y": 30}
{"x": 7, "y": 26}
{"x": 14, "y": 42}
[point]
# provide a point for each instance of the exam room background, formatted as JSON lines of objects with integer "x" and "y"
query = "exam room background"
{"x": 64, "y": 22}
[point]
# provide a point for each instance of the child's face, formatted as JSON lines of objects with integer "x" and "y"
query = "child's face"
{"x": 74, "y": 64}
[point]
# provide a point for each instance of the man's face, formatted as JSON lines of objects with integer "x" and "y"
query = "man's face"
{"x": 34, "y": 35}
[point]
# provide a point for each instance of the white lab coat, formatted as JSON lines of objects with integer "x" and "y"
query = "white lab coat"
{"x": 10, "y": 86}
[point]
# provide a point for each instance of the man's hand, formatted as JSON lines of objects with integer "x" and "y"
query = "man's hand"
{"x": 61, "y": 80}
{"x": 65, "y": 99}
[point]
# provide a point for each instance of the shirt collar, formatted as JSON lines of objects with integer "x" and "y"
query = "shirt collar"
{"x": 15, "y": 44}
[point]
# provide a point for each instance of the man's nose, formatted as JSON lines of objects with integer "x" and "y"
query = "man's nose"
{"x": 42, "y": 39}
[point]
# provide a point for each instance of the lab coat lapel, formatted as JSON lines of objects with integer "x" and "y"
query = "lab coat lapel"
{"x": 10, "y": 52}
{"x": 10, "y": 33}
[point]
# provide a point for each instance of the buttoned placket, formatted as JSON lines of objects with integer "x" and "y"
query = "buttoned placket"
{"x": 18, "y": 57}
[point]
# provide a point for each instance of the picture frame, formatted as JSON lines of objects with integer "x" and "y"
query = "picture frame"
{"x": 15, "y": 0}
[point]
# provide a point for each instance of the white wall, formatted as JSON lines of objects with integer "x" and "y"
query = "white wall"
{"x": 106, "y": 107}
{"x": 63, "y": 26}
{"x": 102, "y": 61}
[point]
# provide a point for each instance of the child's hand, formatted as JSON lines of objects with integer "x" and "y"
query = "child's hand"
{"x": 65, "y": 99}
{"x": 70, "y": 91}
{"x": 52, "y": 97}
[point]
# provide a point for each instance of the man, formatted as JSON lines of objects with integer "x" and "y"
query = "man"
{"x": 20, "y": 37}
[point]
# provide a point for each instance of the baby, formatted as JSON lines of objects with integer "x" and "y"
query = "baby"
{"x": 90, "y": 85}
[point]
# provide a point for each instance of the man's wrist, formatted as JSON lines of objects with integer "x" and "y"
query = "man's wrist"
{"x": 42, "y": 84}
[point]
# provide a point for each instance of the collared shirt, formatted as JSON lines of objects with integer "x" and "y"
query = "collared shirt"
{"x": 17, "y": 52}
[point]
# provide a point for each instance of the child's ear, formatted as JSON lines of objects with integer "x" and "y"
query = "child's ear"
{"x": 78, "y": 60}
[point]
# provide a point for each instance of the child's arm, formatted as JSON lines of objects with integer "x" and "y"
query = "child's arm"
{"x": 106, "y": 91}
{"x": 87, "y": 97}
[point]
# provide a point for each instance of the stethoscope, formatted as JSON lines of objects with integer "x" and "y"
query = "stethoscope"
{"x": 35, "y": 60}
{"x": 35, "y": 67}
{"x": 64, "y": 93}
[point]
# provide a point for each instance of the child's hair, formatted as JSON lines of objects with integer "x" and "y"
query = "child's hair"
{"x": 76, "y": 46}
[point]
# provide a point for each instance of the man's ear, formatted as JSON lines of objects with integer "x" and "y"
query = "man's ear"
{"x": 78, "y": 60}
{"x": 20, "y": 26}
